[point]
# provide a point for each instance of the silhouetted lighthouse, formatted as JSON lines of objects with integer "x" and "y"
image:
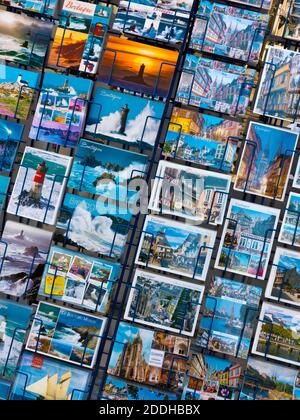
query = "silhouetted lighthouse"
{"x": 124, "y": 115}
{"x": 38, "y": 181}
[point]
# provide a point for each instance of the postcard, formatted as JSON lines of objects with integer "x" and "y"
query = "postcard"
{"x": 149, "y": 357}
{"x": 296, "y": 181}
{"x": 287, "y": 22}
{"x": 265, "y": 381}
{"x": 211, "y": 378}
{"x": 247, "y": 239}
{"x": 266, "y": 162}
{"x": 23, "y": 39}
{"x": 60, "y": 113}
{"x": 14, "y": 321}
{"x": 66, "y": 334}
{"x": 10, "y": 137}
{"x": 17, "y": 87}
{"x": 229, "y": 31}
{"x": 175, "y": 247}
{"x": 271, "y": 103}
{"x": 284, "y": 280}
{"x": 37, "y": 6}
{"x": 5, "y": 388}
{"x": 79, "y": 279}
{"x": 214, "y": 85}
{"x": 24, "y": 251}
{"x": 191, "y": 193}
{"x": 278, "y": 334}
{"x": 106, "y": 171}
{"x": 117, "y": 389}
{"x": 261, "y": 4}
{"x": 98, "y": 229}
{"x": 79, "y": 38}
{"x": 39, "y": 186}
{"x": 229, "y": 316}
{"x": 41, "y": 378}
{"x": 124, "y": 118}
{"x": 202, "y": 139}
{"x": 290, "y": 228}
{"x": 163, "y": 302}
{"x": 151, "y": 68}
{"x": 4, "y": 184}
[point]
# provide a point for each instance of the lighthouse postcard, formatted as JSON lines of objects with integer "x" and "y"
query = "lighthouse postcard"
{"x": 10, "y": 137}
{"x": 39, "y": 186}
{"x": 124, "y": 118}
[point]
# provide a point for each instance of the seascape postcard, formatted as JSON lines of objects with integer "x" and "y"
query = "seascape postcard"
{"x": 14, "y": 321}
{"x": 24, "y": 251}
{"x": 164, "y": 302}
{"x": 211, "y": 378}
{"x": 5, "y": 388}
{"x": 97, "y": 228}
{"x": 190, "y": 193}
{"x": 247, "y": 239}
{"x": 39, "y": 186}
{"x": 4, "y": 184}
{"x": 60, "y": 113}
{"x": 175, "y": 247}
{"x": 290, "y": 228}
{"x": 38, "y": 6}
{"x": 124, "y": 118}
{"x": 10, "y": 137}
{"x": 202, "y": 139}
{"x": 169, "y": 5}
{"x": 266, "y": 162}
{"x": 296, "y": 181}
{"x": 49, "y": 380}
{"x": 260, "y": 4}
{"x": 229, "y": 31}
{"x": 149, "y": 357}
{"x": 106, "y": 171}
{"x": 66, "y": 334}
{"x": 229, "y": 317}
{"x": 215, "y": 86}
{"x": 284, "y": 280}
{"x": 17, "y": 88}
{"x": 150, "y": 71}
{"x": 278, "y": 334}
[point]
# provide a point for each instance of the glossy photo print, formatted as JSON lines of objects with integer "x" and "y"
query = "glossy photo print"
{"x": 150, "y": 71}
{"x": 290, "y": 228}
{"x": 10, "y": 137}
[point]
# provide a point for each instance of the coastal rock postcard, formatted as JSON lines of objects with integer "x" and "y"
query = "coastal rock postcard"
{"x": 10, "y": 137}
{"x": 39, "y": 186}
{"x": 24, "y": 251}
{"x": 60, "y": 113}
{"x": 38, "y": 6}
{"x": 290, "y": 228}
{"x": 66, "y": 334}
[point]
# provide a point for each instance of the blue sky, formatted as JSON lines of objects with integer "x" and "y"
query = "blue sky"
{"x": 54, "y": 80}
{"x": 216, "y": 363}
{"x": 282, "y": 373}
{"x": 10, "y": 129}
{"x": 10, "y": 74}
{"x": 289, "y": 262}
{"x": 174, "y": 235}
{"x": 252, "y": 213}
{"x": 15, "y": 312}
{"x": 223, "y": 304}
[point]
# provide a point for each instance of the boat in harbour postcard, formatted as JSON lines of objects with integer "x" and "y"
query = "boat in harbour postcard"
{"x": 10, "y": 137}
{"x": 290, "y": 228}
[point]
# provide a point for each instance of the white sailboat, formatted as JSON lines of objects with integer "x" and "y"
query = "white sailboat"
{"x": 49, "y": 388}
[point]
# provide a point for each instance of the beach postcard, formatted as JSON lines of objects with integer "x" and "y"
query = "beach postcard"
{"x": 49, "y": 380}
{"x": 17, "y": 87}
{"x": 39, "y": 186}
{"x": 5, "y": 388}
{"x": 190, "y": 193}
{"x": 215, "y": 85}
{"x": 124, "y": 118}
{"x": 164, "y": 302}
{"x": 150, "y": 69}
{"x": 278, "y": 334}
{"x": 279, "y": 90}
{"x": 266, "y": 162}
{"x": 4, "y": 184}
{"x": 14, "y": 321}
{"x": 175, "y": 247}
{"x": 284, "y": 280}
{"x": 66, "y": 334}
{"x": 97, "y": 228}
{"x": 149, "y": 357}
{"x": 60, "y": 113}
{"x": 24, "y": 251}
{"x": 38, "y": 6}
{"x": 290, "y": 228}
{"x": 106, "y": 171}
{"x": 229, "y": 317}
{"x": 202, "y": 139}
{"x": 229, "y": 31}
{"x": 247, "y": 239}
{"x": 10, "y": 137}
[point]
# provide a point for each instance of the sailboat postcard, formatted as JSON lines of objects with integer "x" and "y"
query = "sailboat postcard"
{"x": 4, "y": 184}
{"x": 175, "y": 247}
{"x": 14, "y": 321}
{"x": 97, "y": 228}
{"x": 40, "y": 378}
{"x": 79, "y": 38}
{"x": 38, "y": 6}
{"x": 23, "y": 39}
{"x": 290, "y": 228}
{"x": 106, "y": 171}
{"x": 124, "y": 118}
{"x": 60, "y": 113}
{"x": 17, "y": 87}
{"x": 66, "y": 334}
{"x": 229, "y": 317}
{"x": 39, "y": 186}
{"x": 162, "y": 302}
{"x": 10, "y": 137}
